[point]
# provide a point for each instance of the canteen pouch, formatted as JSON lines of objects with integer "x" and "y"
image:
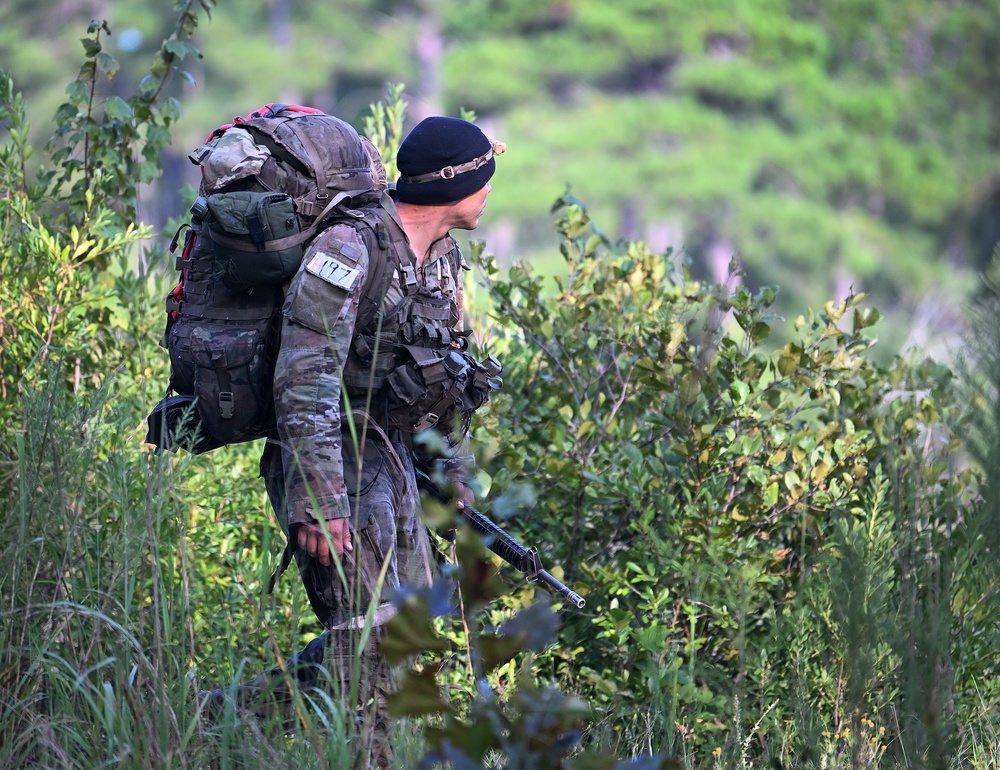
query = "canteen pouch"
{"x": 254, "y": 239}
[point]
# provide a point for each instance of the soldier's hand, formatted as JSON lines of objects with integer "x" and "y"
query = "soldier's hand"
{"x": 313, "y": 539}
{"x": 464, "y": 497}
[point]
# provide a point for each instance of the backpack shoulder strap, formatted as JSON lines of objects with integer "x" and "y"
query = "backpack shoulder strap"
{"x": 388, "y": 250}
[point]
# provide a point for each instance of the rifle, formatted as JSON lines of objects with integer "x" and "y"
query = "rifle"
{"x": 503, "y": 545}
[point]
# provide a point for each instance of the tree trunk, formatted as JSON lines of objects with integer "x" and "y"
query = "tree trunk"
{"x": 429, "y": 50}
{"x": 281, "y": 28}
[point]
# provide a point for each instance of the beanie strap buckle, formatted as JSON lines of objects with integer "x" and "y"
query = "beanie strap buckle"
{"x": 450, "y": 172}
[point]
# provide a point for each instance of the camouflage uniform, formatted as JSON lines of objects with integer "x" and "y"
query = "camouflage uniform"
{"x": 313, "y": 471}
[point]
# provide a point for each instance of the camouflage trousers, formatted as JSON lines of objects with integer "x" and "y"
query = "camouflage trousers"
{"x": 391, "y": 548}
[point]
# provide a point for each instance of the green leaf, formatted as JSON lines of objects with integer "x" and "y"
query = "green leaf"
{"x": 535, "y": 626}
{"x": 78, "y": 92}
{"x": 410, "y": 632}
{"x": 475, "y": 738}
{"x": 760, "y": 331}
{"x": 632, "y": 454}
{"x": 107, "y": 64}
{"x": 159, "y": 66}
{"x": 90, "y": 47}
{"x": 739, "y": 391}
{"x": 478, "y": 577}
{"x": 592, "y": 243}
{"x": 65, "y": 113}
{"x": 148, "y": 85}
{"x": 496, "y": 650}
{"x": 181, "y": 49}
{"x": 771, "y": 496}
{"x": 417, "y": 694}
{"x": 172, "y": 109}
{"x": 117, "y": 108}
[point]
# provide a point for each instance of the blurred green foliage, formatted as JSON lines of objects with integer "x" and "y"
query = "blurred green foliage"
{"x": 766, "y": 539}
{"x": 824, "y": 145}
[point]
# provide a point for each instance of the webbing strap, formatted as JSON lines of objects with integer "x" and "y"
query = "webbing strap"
{"x": 274, "y": 245}
{"x": 431, "y": 311}
{"x": 212, "y": 313}
{"x": 401, "y": 246}
{"x": 195, "y": 288}
{"x": 449, "y": 397}
{"x": 450, "y": 172}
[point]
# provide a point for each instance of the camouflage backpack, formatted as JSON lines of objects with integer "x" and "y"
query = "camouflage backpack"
{"x": 271, "y": 181}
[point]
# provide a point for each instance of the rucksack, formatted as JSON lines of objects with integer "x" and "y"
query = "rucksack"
{"x": 271, "y": 181}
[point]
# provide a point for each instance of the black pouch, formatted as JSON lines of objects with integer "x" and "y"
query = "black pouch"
{"x": 434, "y": 388}
{"x": 175, "y": 423}
{"x": 254, "y": 239}
{"x": 230, "y": 380}
{"x": 226, "y": 368}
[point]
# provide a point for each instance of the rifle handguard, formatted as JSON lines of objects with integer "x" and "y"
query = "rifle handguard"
{"x": 503, "y": 545}
{"x": 524, "y": 559}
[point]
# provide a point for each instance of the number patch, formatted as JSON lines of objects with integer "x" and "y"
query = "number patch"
{"x": 333, "y": 271}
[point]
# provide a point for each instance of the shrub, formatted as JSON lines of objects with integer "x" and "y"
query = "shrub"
{"x": 753, "y": 526}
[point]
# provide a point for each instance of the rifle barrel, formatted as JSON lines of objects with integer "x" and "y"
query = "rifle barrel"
{"x": 503, "y": 545}
{"x": 524, "y": 559}
{"x": 571, "y": 596}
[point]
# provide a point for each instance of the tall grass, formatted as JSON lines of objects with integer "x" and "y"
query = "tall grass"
{"x": 128, "y": 588}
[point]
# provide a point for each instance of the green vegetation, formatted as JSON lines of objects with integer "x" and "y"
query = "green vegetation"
{"x": 786, "y": 547}
{"x": 825, "y": 145}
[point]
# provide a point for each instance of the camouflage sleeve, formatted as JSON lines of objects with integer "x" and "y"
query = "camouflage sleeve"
{"x": 317, "y": 326}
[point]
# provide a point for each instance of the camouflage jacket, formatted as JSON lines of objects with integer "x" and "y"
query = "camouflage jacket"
{"x": 316, "y": 335}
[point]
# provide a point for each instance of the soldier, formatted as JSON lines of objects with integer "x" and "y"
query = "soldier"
{"x": 349, "y": 402}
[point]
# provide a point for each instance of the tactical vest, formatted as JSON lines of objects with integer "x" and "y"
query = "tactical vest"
{"x": 415, "y": 360}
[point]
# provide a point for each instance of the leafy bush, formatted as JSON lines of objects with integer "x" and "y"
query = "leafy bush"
{"x": 754, "y": 530}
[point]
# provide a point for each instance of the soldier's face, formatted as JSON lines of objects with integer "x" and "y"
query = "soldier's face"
{"x": 468, "y": 210}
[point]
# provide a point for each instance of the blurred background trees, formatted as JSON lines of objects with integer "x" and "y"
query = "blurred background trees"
{"x": 823, "y": 145}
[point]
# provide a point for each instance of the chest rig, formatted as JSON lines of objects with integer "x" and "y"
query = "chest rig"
{"x": 413, "y": 361}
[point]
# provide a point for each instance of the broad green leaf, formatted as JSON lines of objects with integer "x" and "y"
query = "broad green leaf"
{"x": 117, "y": 108}
{"x": 417, "y": 694}
{"x": 410, "y": 632}
{"x": 496, "y": 650}
{"x": 107, "y": 64}
{"x": 739, "y": 391}
{"x": 632, "y": 454}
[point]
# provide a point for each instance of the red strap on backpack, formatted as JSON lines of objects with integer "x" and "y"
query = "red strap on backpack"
{"x": 177, "y": 293}
{"x": 267, "y": 111}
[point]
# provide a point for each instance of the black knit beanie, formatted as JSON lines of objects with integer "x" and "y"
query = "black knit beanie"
{"x": 443, "y": 160}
